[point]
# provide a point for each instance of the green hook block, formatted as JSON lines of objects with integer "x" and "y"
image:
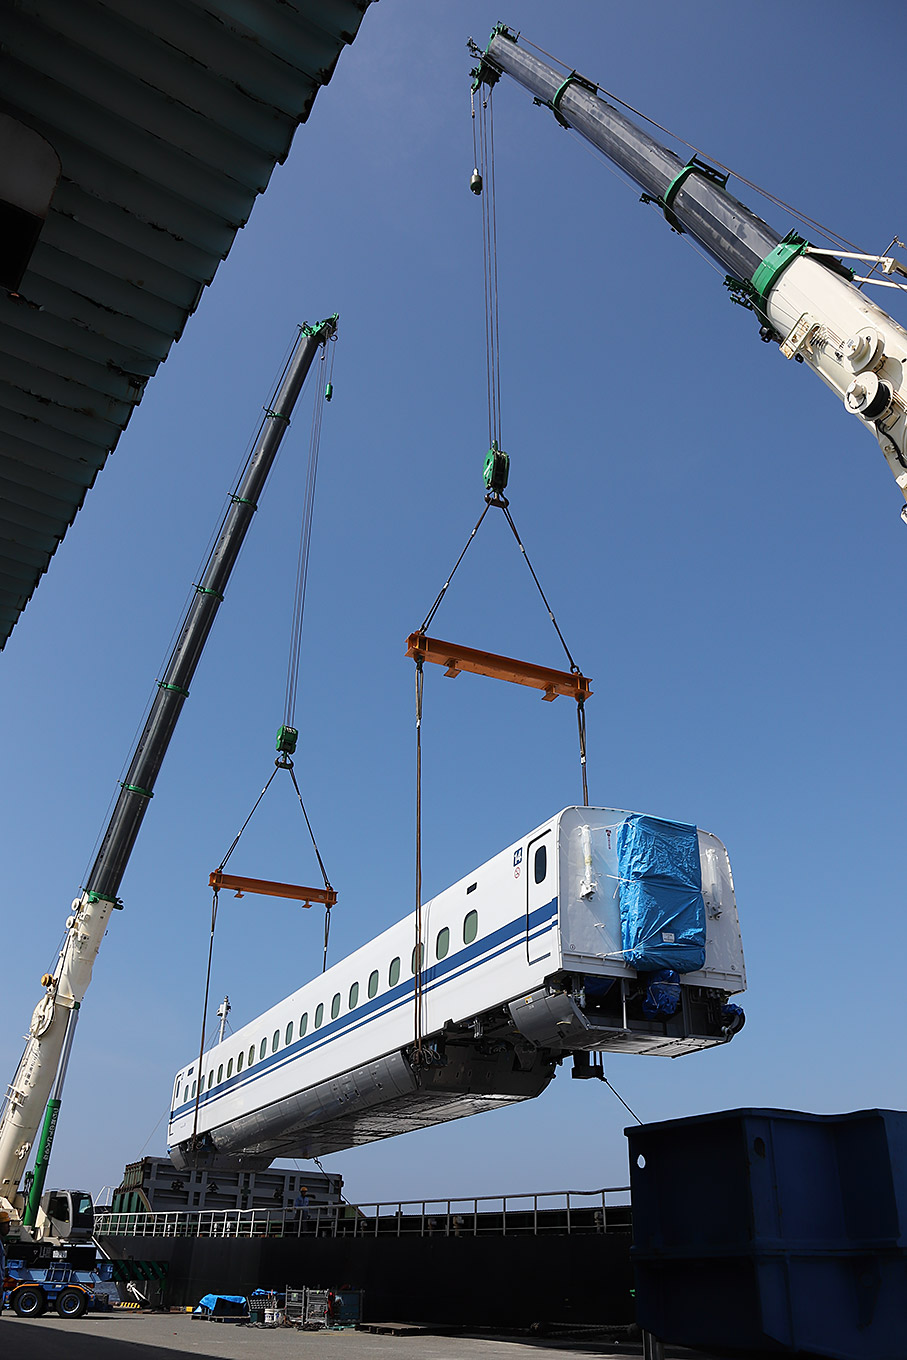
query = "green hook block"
{"x": 287, "y": 738}
{"x": 497, "y": 469}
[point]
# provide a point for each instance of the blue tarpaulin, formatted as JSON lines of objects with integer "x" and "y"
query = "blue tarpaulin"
{"x": 222, "y": 1303}
{"x": 662, "y": 914}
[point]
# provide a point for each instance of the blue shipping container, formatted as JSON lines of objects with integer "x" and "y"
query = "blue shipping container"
{"x": 773, "y": 1230}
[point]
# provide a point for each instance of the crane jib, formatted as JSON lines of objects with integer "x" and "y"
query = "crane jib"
{"x": 43, "y": 1064}
{"x": 803, "y": 296}
{"x": 697, "y": 201}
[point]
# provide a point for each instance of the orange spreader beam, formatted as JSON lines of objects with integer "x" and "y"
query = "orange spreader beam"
{"x": 456, "y": 659}
{"x": 266, "y": 888}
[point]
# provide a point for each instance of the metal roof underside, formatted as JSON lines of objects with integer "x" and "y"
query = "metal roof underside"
{"x": 168, "y": 118}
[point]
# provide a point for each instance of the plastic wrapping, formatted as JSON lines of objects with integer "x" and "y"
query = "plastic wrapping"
{"x": 662, "y": 914}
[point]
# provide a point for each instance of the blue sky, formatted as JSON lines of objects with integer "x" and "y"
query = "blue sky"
{"x": 720, "y": 541}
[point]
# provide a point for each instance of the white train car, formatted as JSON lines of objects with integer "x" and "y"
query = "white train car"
{"x": 602, "y": 930}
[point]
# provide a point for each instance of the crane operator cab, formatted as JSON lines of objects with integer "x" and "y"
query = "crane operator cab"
{"x": 67, "y": 1215}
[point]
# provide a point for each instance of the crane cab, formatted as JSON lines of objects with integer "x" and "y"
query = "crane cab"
{"x": 65, "y": 1215}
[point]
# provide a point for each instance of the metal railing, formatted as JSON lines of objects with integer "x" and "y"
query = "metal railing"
{"x": 564, "y": 1212}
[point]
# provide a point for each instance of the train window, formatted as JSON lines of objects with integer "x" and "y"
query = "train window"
{"x": 442, "y": 943}
{"x": 262, "y": 1048}
{"x": 416, "y": 961}
{"x": 393, "y": 973}
{"x": 220, "y": 1074}
{"x": 239, "y": 1062}
{"x": 251, "y": 1055}
{"x": 288, "y": 1037}
{"x": 470, "y": 927}
{"x": 335, "y": 1006}
{"x": 275, "y": 1041}
{"x": 541, "y": 863}
{"x": 373, "y": 983}
{"x": 354, "y": 996}
{"x": 210, "y": 1078}
{"x": 192, "y": 1097}
{"x": 229, "y": 1069}
{"x": 303, "y": 1023}
{"x": 319, "y": 1015}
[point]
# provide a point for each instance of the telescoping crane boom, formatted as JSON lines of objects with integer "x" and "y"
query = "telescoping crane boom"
{"x": 802, "y": 295}
{"x": 39, "y": 1078}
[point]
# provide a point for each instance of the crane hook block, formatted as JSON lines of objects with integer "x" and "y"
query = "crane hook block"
{"x": 475, "y": 181}
{"x": 286, "y": 740}
{"x": 497, "y": 469}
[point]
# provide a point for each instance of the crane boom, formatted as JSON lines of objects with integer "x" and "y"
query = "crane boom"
{"x": 802, "y": 296}
{"x": 42, "y": 1068}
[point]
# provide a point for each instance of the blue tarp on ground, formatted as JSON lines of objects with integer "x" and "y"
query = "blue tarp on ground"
{"x": 227, "y": 1304}
{"x": 662, "y": 914}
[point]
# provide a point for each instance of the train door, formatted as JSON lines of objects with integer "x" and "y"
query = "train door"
{"x": 540, "y": 893}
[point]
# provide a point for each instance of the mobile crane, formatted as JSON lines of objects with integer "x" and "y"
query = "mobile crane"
{"x": 803, "y": 296}
{"x": 55, "y": 1230}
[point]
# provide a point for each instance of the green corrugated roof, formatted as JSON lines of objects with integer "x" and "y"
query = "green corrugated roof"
{"x": 168, "y": 118}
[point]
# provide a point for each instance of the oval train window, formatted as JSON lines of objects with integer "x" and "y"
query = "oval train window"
{"x": 220, "y": 1074}
{"x": 239, "y": 1062}
{"x": 442, "y": 943}
{"x": 263, "y": 1048}
{"x": 288, "y": 1037}
{"x": 303, "y": 1024}
{"x": 393, "y": 973}
{"x": 373, "y": 983}
{"x": 335, "y": 1005}
{"x": 229, "y": 1069}
{"x": 319, "y": 1014}
{"x": 416, "y": 960}
{"x": 251, "y": 1055}
{"x": 470, "y": 927}
{"x": 541, "y": 863}
{"x": 354, "y": 996}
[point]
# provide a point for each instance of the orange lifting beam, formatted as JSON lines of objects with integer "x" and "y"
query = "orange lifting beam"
{"x": 456, "y": 659}
{"x": 266, "y": 888}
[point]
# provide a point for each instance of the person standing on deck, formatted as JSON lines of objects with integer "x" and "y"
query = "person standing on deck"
{"x": 301, "y": 1205}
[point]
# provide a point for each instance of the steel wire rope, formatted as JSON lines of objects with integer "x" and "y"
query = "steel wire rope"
{"x": 426, "y": 622}
{"x": 201, "y": 1047}
{"x": 305, "y": 540}
{"x": 493, "y": 214}
{"x": 621, "y": 1099}
{"x": 418, "y": 1052}
{"x": 486, "y": 167}
{"x": 573, "y": 666}
{"x": 580, "y": 703}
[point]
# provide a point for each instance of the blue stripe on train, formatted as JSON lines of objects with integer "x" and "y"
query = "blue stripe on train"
{"x": 508, "y": 936}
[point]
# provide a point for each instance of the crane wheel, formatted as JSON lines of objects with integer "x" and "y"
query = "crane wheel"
{"x": 29, "y": 1301}
{"x": 72, "y": 1303}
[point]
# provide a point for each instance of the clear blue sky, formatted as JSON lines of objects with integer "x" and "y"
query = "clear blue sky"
{"x": 721, "y": 543}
